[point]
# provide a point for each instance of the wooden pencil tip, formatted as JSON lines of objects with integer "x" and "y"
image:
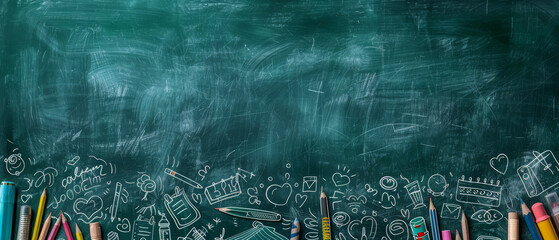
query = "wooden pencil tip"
{"x": 44, "y": 191}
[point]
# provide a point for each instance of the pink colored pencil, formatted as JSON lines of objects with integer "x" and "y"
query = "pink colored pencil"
{"x": 67, "y": 229}
{"x": 55, "y": 229}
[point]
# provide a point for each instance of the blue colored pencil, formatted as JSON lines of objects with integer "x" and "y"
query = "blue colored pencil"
{"x": 530, "y": 221}
{"x": 434, "y": 221}
{"x": 295, "y": 230}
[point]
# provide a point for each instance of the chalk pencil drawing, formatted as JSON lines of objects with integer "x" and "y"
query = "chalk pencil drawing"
{"x": 120, "y": 195}
{"x": 182, "y": 178}
{"x": 539, "y": 175}
{"x": 500, "y": 163}
{"x": 224, "y": 189}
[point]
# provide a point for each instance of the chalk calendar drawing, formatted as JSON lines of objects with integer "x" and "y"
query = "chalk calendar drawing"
{"x": 539, "y": 175}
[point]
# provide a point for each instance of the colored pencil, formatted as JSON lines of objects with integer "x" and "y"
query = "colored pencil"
{"x": 55, "y": 229}
{"x": 325, "y": 214}
{"x": 67, "y": 229}
{"x": 45, "y": 228}
{"x": 434, "y": 221}
{"x": 465, "y": 229}
{"x": 79, "y": 235}
{"x": 295, "y": 229}
{"x": 458, "y": 235}
{"x": 39, "y": 217}
{"x": 250, "y": 213}
{"x": 529, "y": 219}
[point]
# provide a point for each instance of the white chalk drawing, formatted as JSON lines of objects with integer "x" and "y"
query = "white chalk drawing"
{"x": 311, "y": 226}
{"x": 340, "y": 236}
{"x": 143, "y": 228}
{"x": 405, "y": 213}
{"x": 203, "y": 172}
{"x": 397, "y": 229}
{"x": 253, "y": 196}
{"x": 25, "y": 197}
{"x": 336, "y": 195}
{"x": 164, "y": 228}
{"x": 29, "y": 184}
{"x": 370, "y": 189}
{"x": 181, "y": 209}
{"x": 310, "y": 184}
{"x": 120, "y": 195}
{"x": 436, "y": 185}
{"x": 366, "y": 228}
{"x": 538, "y": 175}
{"x": 279, "y": 195}
{"x": 112, "y": 236}
{"x": 487, "y": 216}
{"x": 451, "y": 211}
{"x": 182, "y": 178}
{"x": 73, "y": 161}
{"x": 146, "y": 184}
{"x": 300, "y": 199}
{"x": 123, "y": 226}
{"x": 89, "y": 209}
{"x": 45, "y": 176}
{"x": 388, "y": 183}
{"x": 146, "y": 209}
{"x": 387, "y": 201}
{"x": 340, "y": 180}
{"x": 221, "y": 235}
{"x": 15, "y": 164}
{"x": 224, "y": 189}
{"x": 250, "y": 174}
{"x": 257, "y": 232}
{"x": 194, "y": 234}
{"x": 477, "y": 192}
{"x": 414, "y": 191}
{"x": 482, "y": 237}
{"x": 500, "y": 163}
{"x": 355, "y": 203}
{"x": 340, "y": 219}
{"x": 196, "y": 197}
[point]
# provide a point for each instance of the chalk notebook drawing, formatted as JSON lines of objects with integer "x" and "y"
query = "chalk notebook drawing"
{"x": 540, "y": 174}
{"x": 143, "y": 228}
{"x": 258, "y": 232}
{"x": 181, "y": 209}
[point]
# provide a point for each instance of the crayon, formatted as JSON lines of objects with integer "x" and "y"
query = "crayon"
{"x": 67, "y": 229}
{"x": 295, "y": 230}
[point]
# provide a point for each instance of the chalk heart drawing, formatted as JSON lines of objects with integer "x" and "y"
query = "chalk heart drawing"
{"x": 500, "y": 163}
{"x": 340, "y": 179}
{"x": 405, "y": 213}
{"x": 366, "y": 228}
{"x": 279, "y": 194}
{"x": 300, "y": 199}
{"x": 25, "y": 198}
{"x": 196, "y": 197}
{"x": 387, "y": 201}
{"x": 89, "y": 208}
{"x": 124, "y": 226}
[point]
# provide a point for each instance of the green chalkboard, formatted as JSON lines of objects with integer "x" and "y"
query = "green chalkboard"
{"x": 128, "y": 111}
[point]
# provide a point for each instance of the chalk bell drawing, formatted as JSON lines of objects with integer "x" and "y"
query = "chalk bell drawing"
{"x": 539, "y": 175}
{"x": 477, "y": 192}
{"x": 414, "y": 191}
{"x": 436, "y": 185}
{"x": 181, "y": 209}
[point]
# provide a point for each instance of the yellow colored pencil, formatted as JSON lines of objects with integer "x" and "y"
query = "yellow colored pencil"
{"x": 79, "y": 235}
{"x": 39, "y": 218}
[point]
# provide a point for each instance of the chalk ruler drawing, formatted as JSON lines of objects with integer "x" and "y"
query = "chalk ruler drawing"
{"x": 143, "y": 228}
{"x": 477, "y": 192}
{"x": 181, "y": 209}
{"x": 222, "y": 190}
{"x": 538, "y": 175}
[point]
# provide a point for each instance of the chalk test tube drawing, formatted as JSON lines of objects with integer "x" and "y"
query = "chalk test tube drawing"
{"x": 436, "y": 185}
{"x": 500, "y": 163}
{"x": 414, "y": 191}
{"x": 451, "y": 211}
{"x": 222, "y": 190}
{"x": 310, "y": 184}
{"x": 388, "y": 183}
{"x": 181, "y": 209}
{"x": 119, "y": 195}
{"x": 183, "y": 178}
{"x": 476, "y": 192}
{"x": 257, "y": 232}
{"x": 143, "y": 228}
{"x": 538, "y": 175}
{"x": 15, "y": 164}
{"x": 487, "y": 216}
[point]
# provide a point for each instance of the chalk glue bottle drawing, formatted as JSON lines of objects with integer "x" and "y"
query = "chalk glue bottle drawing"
{"x": 164, "y": 228}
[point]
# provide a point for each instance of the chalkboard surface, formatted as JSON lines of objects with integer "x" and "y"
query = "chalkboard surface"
{"x": 128, "y": 111}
